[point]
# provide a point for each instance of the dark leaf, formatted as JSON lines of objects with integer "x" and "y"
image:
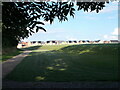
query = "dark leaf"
{"x": 39, "y": 23}
{"x": 33, "y": 25}
{"x": 38, "y": 27}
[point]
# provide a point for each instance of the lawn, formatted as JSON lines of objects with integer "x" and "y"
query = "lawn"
{"x": 69, "y": 63}
{"x": 10, "y": 54}
{"x": 15, "y": 52}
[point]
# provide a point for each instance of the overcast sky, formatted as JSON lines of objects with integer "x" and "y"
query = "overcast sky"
{"x": 85, "y": 26}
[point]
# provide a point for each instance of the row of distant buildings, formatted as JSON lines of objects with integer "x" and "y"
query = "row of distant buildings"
{"x": 58, "y": 42}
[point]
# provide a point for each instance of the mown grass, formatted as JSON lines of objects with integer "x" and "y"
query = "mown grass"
{"x": 61, "y": 63}
{"x": 10, "y": 54}
{"x": 15, "y": 52}
{"x": 31, "y": 48}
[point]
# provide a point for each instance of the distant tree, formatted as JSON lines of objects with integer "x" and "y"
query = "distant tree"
{"x": 20, "y": 18}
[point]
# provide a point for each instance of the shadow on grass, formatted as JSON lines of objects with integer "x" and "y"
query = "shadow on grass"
{"x": 64, "y": 66}
{"x": 31, "y": 48}
{"x": 107, "y": 49}
{"x": 9, "y": 55}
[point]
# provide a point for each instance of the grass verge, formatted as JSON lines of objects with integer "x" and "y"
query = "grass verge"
{"x": 11, "y": 54}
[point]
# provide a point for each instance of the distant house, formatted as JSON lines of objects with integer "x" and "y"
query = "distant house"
{"x": 39, "y": 42}
{"x": 80, "y": 42}
{"x": 114, "y": 41}
{"x": 42, "y": 42}
{"x": 19, "y": 45}
{"x": 47, "y": 42}
{"x": 97, "y": 41}
{"x": 83, "y": 41}
{"x": 34, "y": 42}
{"x": 74, "y": 41}
{"x": 91, "y": 42}
{"x": 61, "y": 42}
{"x": 87, "y": 41}
{"x": 22, "y": 44}
{"x": 101, "y": 42}
{"x": 105, "y": 42}
{"x": 69, "y": 41}
{"x": 52, "y": 42}
{"x": 25, "y": 43}
{"x": 29, "y": 43}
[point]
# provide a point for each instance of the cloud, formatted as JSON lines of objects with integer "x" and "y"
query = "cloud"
{"x": 110, "y": 8}
{"x": 115, "y": 32}
{"x": 112, "y": 35}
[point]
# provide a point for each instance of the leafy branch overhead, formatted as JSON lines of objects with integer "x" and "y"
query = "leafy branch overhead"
{"x": 21, "y": 18}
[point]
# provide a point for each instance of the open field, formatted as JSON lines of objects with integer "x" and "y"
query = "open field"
{"x": 73, "y": 63}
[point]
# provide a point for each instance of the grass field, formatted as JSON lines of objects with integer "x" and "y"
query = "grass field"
{"x": 10, "y": 54}
{"x": 63, "y": 63}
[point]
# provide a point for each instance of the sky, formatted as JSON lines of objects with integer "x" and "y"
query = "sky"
{"x": 84, "y": 26}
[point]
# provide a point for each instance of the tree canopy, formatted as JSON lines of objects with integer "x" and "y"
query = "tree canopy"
{"x": 20, "y": 18}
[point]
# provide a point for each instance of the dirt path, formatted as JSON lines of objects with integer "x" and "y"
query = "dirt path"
{"x": 9, "y": 65}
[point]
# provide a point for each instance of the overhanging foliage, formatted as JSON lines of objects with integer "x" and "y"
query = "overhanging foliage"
{"x": 19, "y": 19}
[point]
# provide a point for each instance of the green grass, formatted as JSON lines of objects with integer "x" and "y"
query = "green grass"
{"x": 74, "y": 63}
{"x": 31, "y": 48}
{"x": 10, "y": 54}
{"x": 15, "y": 52}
